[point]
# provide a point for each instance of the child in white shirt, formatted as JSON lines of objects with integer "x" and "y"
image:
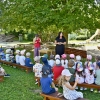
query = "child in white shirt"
{"x": 37, "y": 68}
{"x": 22, "y": 58}
{"x": 17, "y": 56}
{"x": 64, "y": 61}
{"x": 51, "y": 61}
{"x": 8, "y": 53}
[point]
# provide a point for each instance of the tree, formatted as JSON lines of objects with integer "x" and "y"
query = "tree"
{"x": 38, "y": 15}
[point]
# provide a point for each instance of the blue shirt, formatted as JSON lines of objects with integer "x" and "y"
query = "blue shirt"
{"x": 27, "y": 62}
{"x": 46, "y": 84}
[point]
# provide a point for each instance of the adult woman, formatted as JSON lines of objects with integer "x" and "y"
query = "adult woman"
{"x": 60, "y": 42}
{"x": 36, "y": 42}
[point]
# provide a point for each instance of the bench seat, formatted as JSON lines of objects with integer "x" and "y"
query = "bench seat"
{"x": 54, "y": 96}
{"x": 1, "y": 78}
{"x": 27, "y": 69}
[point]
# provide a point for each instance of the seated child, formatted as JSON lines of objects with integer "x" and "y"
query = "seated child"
{"x": 37, "y": 68}
{"x": 47, "y": 66}
{"x": 17, "y": 56}
{"x": 78, "y": 60}
{"x": 28, "y": 62}
{"x": 2, "y": 72}
{"x": 89, "y": 61}
{"x": 72, "y": 57}
{"x": 79, "y": 75}
{"x": 3, "y": 56}
{"x": 8, "y": 53}
{"x": 47, "y": 84}
{"x": 57, "y": 56}
{"x": 71, "y": 63}
{"x": 22, "y": 58}
{"x": 97, "y": 59}
{"x": 57, "y": 69}
{"x": 69, "y": 91}
{"x": 97, "y": 73}
{"x": 89, "y": 76}
{"x": 64, "y": 61}
{"x": 51, "y": 61}
{"x": 12, "y": 57}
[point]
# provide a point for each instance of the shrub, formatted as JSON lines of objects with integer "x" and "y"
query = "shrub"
{"x": 81, "y": 37}
{"x": 30, "y": 36}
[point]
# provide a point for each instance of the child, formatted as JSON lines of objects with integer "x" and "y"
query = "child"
{"x": 8, "y": 53}
{"x": 12, "y": 57}
{"x": 69, "y": 91}
{"x": 79, "y": 76}
{"x": 22, "y": 58}
{"x": 78, "y": 60}
{"x": 47, "y": 85}
{"x": 71, "y": 63}
{"x": 89, "y": 75}
{"x": 17, "y": 56}
{"x": 3, "y": 56}
{"x": 72, "y": 57}
{"x": 57, "y": 69}
{"x": 47, "y": 66}
{"x": 28, "y": 62}
{"x": 51, "y": 61}
{"x": 2, "y": 72}
{"x": 37, "y": 68}
{"x": 97, "y": 73}
{"x": 97, "y": 59}
{"x": 64, "y": 61}
{"x": 88, "y": 62}
{"x": 57, "y": 57}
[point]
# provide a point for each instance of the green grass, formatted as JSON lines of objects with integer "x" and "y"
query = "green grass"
{"x": 20, "y": 86}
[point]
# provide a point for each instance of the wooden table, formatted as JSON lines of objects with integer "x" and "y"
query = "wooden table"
{"x": 45, "y": 51}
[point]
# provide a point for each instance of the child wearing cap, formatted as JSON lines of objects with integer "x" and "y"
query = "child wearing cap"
{"x": 8, "y": 53}
{"x": 28, "y": 62}
{"x": 89, "y": 76}
{"x": 57, "y": 69}
{"x": 64, "y": 61}
{"x": 89, "y": 61}
{"x": 47, "y": 85}
{"x": 22, "y": 58}
{"x": 2, "y": 54}
{"x": 97, "y": 59}
{"x": 71, "y": 63}
{"x": 37, "y": 68}
{"x": 57, "y": 56}
{"x": 69, "y": 91}
{"x": 51, "y": 61}
{"x": 78, "y": 60}
{"x": 72, "y": 57}
{"x": 79, "y": 74}
{"x": 17, "y": 56}
{"x": 97, "y": 73}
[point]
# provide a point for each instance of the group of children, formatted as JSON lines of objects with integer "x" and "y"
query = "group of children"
{"x": 58, "y": 69}
{"x": 66, "y": 71}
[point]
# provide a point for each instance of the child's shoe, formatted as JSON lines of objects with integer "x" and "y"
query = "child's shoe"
{"x": 7, "y": 75}
{"x": 81, "y": 88}
{"x": 91, "y": 90}
{"x": 76, "y": 88}
{"x": 36, "y": 82}
{"x": 85, "y": 88}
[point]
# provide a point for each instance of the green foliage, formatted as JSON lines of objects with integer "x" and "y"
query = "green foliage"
{"x": 81, "y": 37}
{"x": 30, "y": 36}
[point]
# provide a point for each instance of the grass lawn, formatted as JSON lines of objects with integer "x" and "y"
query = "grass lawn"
{"x": 20, "y": 86}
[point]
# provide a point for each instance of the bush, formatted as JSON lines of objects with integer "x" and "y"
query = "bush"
{"x": 81, "y": 37}
{"x": 30, "y": 36}
{"x": 72, "y": 36}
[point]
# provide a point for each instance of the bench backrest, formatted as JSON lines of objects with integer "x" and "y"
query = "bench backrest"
{"x": 74, "y": 51}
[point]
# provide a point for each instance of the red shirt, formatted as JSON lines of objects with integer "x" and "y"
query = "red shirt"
{"x": 57, "y": 70}
{"x": 37, "y": 44}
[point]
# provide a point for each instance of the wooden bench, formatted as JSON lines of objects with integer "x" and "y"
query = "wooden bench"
{"x": 76, "y": 52}
{"x": 85, "y": 85}
{"x": 1, "y": 78}
{"x": 54, "y": 96}
{"x": 27, "y": 69}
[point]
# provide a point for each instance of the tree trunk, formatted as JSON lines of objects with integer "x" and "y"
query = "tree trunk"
{"x": 66, "y": 36}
